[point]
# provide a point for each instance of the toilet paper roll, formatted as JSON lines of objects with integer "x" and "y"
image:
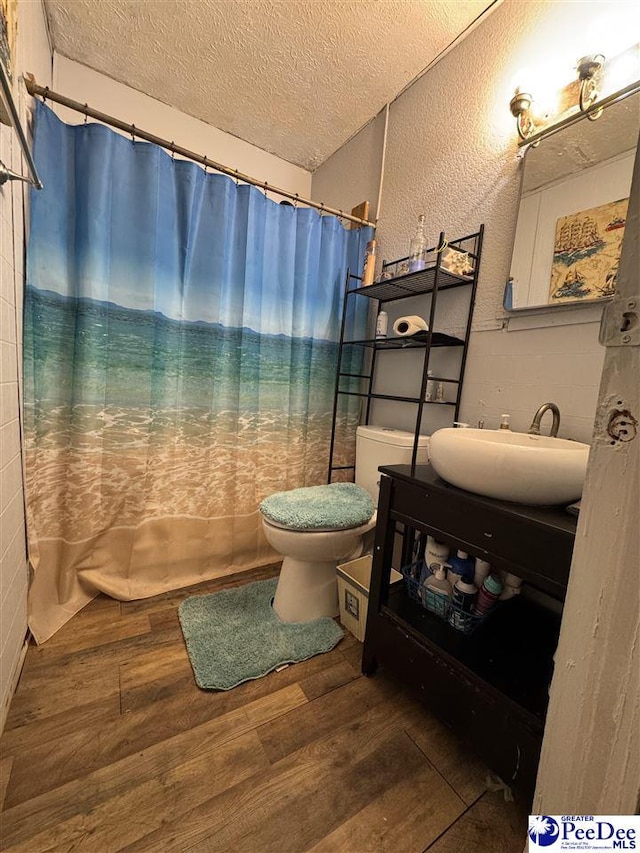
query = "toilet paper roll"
{"x": 404, "y": 326}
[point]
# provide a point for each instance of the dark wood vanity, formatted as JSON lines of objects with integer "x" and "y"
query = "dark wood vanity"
{"x": 490, "y": 687}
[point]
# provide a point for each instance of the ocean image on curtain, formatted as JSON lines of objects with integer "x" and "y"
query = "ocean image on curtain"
{"x": 180, "y": 351}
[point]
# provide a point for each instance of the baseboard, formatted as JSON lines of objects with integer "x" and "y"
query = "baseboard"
{"x": 15, "y": 678}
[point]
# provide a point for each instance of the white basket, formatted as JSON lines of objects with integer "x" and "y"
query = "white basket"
{"x": 354, "y": 579}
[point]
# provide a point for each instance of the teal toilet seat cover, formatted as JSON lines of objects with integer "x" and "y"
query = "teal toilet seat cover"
{"x": 337, "y": 506}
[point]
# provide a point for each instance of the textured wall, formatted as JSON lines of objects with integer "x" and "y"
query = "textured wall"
{"x": 33, "y": 55}
{"x": 451, "y": 154}
{"x": 358, "y": 181}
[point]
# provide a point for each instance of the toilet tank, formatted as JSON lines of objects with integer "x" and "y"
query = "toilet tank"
{"x": 377, "y": 446}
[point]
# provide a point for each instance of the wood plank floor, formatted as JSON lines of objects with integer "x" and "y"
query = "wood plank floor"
{"x": 111, "y": 746}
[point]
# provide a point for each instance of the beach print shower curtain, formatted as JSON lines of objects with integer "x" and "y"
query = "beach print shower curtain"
{"x": 180, "y": 344}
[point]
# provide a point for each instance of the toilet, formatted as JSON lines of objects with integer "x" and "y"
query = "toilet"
{"x": 316, "y": 527}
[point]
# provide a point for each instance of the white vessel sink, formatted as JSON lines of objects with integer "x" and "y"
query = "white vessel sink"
{"x": 511, "y": 466}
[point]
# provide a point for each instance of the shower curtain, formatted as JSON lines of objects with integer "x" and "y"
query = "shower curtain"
{"x": 180, "y": 344}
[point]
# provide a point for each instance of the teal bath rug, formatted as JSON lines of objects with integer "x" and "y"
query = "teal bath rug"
{"x": 235, "y": 635}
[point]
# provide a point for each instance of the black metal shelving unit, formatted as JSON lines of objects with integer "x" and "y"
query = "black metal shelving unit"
{"x": 430, "y": 281}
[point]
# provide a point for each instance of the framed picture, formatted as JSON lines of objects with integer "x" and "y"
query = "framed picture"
{"x": 586, "y": 253}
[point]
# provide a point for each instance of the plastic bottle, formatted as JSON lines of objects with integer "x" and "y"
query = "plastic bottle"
{"x": 418, "y": 248}
{"x": 463, "y": 602}
{"x": 440, "y": 392}
{"x": 482, "y": 570}
{"x": 461, "y": 567}
{"x": 507, "y": 296}
{"x": 429, "y": 394}
{"x": 488, "y": 594}
{"x": 382, "y": 324}
{"x": 369, "y": 264}
{"x": 504, "y": 422}
{"x": 436, "y": 554}
{"x": 512, "y": 586}
{"x": 436, "y": 592}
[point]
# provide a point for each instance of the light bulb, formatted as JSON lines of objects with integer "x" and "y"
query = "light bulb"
{"x": 523, "y": 81}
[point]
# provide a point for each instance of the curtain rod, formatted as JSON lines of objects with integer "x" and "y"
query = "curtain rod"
{"x": 43, "y": 91}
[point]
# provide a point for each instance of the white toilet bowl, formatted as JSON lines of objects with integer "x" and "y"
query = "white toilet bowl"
{"x": 307, "y": 587}
{"x": 317, "y": 527}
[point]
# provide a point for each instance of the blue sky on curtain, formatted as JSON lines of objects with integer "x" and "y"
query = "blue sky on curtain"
{"x": 180, "y": 349}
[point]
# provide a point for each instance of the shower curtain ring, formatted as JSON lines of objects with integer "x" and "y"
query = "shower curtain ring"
{"x": 206, "y": 164}
{"x": 266, "y": 190}
{"x": 295, "y": 201}
{"x": 45, "y": 94}
{"x": 133, "y": 133}
{"x": 237, "y": 179}
{"x": 86, "y": 114}
{"x": 173, "y": 150}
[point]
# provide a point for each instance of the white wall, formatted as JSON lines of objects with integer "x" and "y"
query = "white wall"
{"x": 84, "y": 85}
{"x": 33, "y": 54}
{"x": 451, "y": 154}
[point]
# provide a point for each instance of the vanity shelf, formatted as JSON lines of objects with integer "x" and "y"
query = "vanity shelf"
{"x": 499, "y": 652}
{"x": 428, "y": 282}
{"x": 491, "y": 686}
{"x": 438, "y": 339}
{"x": 414, "y": 283}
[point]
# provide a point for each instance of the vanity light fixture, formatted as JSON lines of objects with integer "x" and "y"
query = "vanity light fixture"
{"x": 521, "y": 111}
{"x": 601, "y": 84}
{"x": 589, "y": 73}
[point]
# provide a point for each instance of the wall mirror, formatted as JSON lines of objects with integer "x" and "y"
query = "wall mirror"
{"x": 572, "y": 211}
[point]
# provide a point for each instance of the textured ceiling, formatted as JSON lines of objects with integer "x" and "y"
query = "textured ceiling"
{"x": 297, "y": 78}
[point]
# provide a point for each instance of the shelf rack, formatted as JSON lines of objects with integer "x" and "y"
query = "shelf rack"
{"x": 427, "y": 282}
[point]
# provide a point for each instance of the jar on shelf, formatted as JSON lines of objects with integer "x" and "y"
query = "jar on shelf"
{"x": 418, "y": 248}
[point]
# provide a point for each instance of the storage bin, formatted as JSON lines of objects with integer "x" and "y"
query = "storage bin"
{"x": 453, "y": 614}
{"x": 354, "y": 580}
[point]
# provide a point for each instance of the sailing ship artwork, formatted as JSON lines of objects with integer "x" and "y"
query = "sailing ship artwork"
{"x": 586, "y": 253}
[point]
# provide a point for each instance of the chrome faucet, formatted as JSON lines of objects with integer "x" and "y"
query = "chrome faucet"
{"x": 534, "y": 429}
